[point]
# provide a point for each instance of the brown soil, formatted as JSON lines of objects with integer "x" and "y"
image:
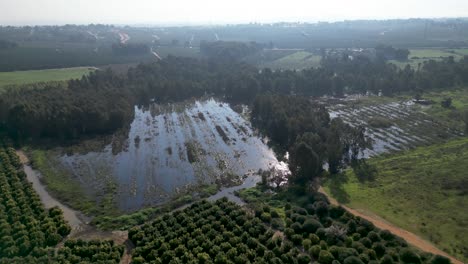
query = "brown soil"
{"x": 382, "y": 224}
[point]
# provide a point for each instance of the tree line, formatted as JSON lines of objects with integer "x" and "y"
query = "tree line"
{"x": 104, "y": 101}
{"x": 305, "y": 130}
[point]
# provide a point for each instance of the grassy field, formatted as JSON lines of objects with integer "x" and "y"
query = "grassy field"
{"x": 417, "y": 56}
{"x": 35, "y": 76}
{"x": 424, "y": 190}
{"x": 298, "y": 60}
{"x": 451, "y": 117}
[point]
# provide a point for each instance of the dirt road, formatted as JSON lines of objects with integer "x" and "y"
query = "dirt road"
{"x": 382, "y": 224}
{"x": 76, "y": 220}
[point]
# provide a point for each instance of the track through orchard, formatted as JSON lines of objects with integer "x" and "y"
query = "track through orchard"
{"x": 382, "y": 224}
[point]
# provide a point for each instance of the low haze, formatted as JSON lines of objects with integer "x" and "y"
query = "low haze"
{"x": 242, "y": 131}
{"x": 20, "y": 12}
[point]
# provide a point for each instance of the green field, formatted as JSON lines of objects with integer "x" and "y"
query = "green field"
{"x": 298, "y": 60}
{"x": 35, "y": 76}
{"x": 453, "y": 116}
{"x": 424, "y": 190}
{"x": 418, "y": 56}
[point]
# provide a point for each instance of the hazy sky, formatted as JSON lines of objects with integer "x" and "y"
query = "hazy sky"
{"x": 219, "y": 11}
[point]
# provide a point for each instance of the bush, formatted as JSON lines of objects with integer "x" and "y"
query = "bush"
{"x": 438, "y": 259}
{"x": 274, "y": 214}
{"x": 314, "y": 239}
{"x": 341, "y": 253}
{"x": 303, "y": 259}
{"x": 366, "y": 242}
{"x": 386, "y": 260}
{"x": 311, "y": 225}
{"x": 373, "y": 236}
{"x": 296, "y": 239}
{"x": 379, "y": 249}
{"x": 266, "y": 217}
{"x": 297, "y": 227}
{"x": 325, "y": 257}
{"x": 315, "y": 251}
{"x": 306, "y": 243}
{"x": 277, "y": 223}
{"x": 321, "y": 209}
{"x": 353, "y": 260}
{"x": 408, "y": 256}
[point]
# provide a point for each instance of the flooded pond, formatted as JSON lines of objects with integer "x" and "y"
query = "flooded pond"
{"x": 171, "y": 150}
{"x": 406, "y": 128}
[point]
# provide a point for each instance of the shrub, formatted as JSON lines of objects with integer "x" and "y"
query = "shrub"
{"x": 337, "y": 212}
{"x": 321, "y": 209}
{"x": 373, "y": 236}
{"x": 353, "y": 260}
{"x": 306, "y": 243}
{"x": 274, "y": 214}
{"x": 386, "y": 235}
{"x": 408, "y": 256}
{"x": 438, "y": 259}
{"x": 297, "y": 227}
{"x": 325, "y": 257}
{"x": 386, "y": 260}
{"x": 311, "y": 225}
{"x": 366, "y": 242}
{"x": 379, "y": 249}
{"x": 266, "y": 217}
{"x": 296, "y": 239}
{"x": 289, "y": 232}
{"x": 314, "y": 239}
{"x": 341, "y": 253}
{"x": 315, "y": 251}
{"x": 277, "y": 223}
{"x": 303, "y": 259}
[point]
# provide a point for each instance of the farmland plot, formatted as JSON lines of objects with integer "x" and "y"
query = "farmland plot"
{"x": 171, "y": 150}
{"x": 393, "y": 126}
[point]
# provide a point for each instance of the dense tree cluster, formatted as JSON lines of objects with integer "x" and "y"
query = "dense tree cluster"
{"x": 76, "y": 251}
{"x": 130, "y": 49}
{"x": 304, "y": 129}
{"x": 222, "y": 232}
{"x": 229, "y": 50}
{"x": 5, "y": 44}
{"x": 206, "y": 232}
{"x": 361, "y": 74}
{"x": 94, "y": 251}
{"x": 390, "y": 53}
{"x": 103, "y": 101}
{"x": 26, "y": 227}
{"x": 331, "y": 235}
{"x": 95, "y": 104}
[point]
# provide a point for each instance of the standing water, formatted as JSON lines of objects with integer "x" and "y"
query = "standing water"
{"x": 173, "y": 149}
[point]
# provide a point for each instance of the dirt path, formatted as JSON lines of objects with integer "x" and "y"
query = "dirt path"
{"x": 156, "y": 54}
{"x": 382, "y": 224}
{"x": 77, "y": 221}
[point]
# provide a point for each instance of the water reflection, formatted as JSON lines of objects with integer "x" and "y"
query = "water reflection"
{"x": 170, "y": 149}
